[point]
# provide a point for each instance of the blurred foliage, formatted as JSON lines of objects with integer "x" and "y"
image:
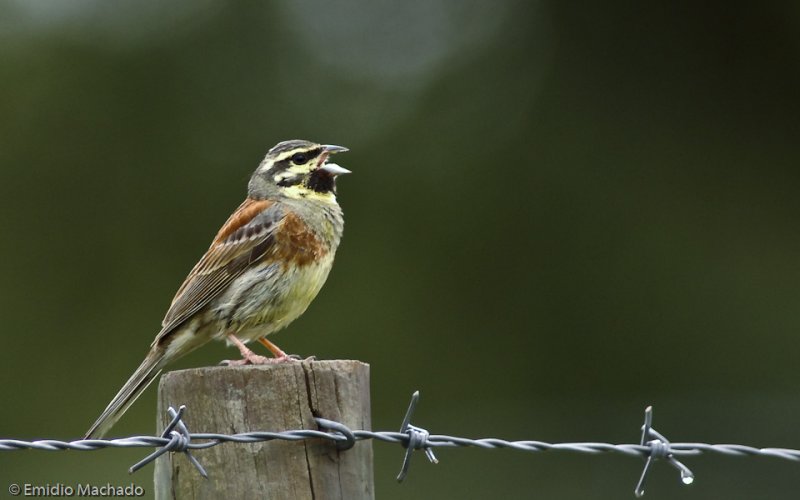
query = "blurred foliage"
{"x": 558, "y": 215}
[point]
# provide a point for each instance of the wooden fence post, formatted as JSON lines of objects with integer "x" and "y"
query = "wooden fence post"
{"x": 278, "y": 397}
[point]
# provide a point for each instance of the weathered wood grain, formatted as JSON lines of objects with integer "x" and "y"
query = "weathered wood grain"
{"x": 269, "y": 398}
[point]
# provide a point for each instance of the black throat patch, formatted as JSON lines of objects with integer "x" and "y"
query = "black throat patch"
{"x": 321, "y": 182}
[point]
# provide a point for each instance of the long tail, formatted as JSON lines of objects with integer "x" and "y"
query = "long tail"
{"x": 141, "y": 378}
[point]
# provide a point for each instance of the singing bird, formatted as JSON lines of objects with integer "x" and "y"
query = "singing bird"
{"x": 263, "y": 269}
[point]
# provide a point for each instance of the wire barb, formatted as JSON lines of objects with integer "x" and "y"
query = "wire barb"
{"x": 176, "y": 437}
{"x": 417, "y": 439}
{"x": 179, "y": 441}
{"x": 657, "y": 448}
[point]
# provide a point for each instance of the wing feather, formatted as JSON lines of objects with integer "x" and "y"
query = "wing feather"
{"x": 244, "y": 238}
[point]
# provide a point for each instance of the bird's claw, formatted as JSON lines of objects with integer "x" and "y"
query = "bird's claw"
{"x": 255, "y": 359}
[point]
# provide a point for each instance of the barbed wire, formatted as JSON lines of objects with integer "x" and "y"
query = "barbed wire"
{"x": 176, "y": 437}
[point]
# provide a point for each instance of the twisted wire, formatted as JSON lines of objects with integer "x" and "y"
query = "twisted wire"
{"x": 434, "y": 441}
{"x": 176, "y": 437}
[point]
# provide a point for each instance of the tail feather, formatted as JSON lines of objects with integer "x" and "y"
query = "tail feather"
{"x": 133, "y": 388}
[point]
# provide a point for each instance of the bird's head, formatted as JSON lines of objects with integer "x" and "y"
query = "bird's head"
{"x": 297, "y": 169}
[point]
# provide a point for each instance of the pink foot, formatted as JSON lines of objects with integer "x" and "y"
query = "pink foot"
{"x": 255, "y": 359}
{"x": 251, "y": 358}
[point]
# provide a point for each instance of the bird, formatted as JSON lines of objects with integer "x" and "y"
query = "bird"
{"x": 266, "y": 264}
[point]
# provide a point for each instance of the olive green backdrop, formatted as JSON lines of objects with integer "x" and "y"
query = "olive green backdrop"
{"x": 558, "y": 215}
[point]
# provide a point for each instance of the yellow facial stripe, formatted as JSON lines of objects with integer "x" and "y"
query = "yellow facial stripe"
{"x": 288, "y": 154}
{"x": 294, "y": 171}
{"x": 301, "y": 192}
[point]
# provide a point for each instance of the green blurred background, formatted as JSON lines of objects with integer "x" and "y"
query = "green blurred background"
{"x": 559, "y": 214}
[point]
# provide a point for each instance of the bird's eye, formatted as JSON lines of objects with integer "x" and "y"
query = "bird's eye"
{"x": 299, "y": 158}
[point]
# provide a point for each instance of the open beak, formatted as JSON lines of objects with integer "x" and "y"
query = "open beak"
{"x": 330, "y": 148}
{"x": 332, "y": 168}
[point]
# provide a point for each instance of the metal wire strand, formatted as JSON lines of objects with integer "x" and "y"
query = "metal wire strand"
{"x": 176, "y": 437}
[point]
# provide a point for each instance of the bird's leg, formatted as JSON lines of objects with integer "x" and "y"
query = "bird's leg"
{"x": 248, "y": 356}
{"x": 280, "y": 356}
{"x": 275, "y": 350}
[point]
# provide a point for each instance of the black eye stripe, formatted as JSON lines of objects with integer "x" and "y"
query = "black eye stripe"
{"x": 280, "y": 166}
{"x": 309, "y": 155}
{"x": 285, "y": 163}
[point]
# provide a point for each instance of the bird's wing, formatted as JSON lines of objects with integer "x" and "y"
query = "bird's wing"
{"x": 243, "y": 239}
